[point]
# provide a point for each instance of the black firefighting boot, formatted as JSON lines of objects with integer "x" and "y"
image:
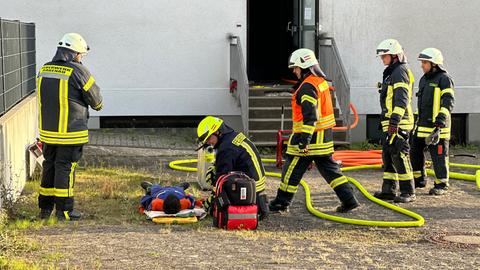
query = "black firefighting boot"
{"x": 389, "y": 190}
{"x": 438, "y": 189}
{"x": 262, "y": 204}
{"x": 146, "y": 186}
{"x": 282, "y": 202}
{"x": 345, "y": 194}
{"x": 45, "y": 213}
{"x": 68, "y": 215}
{"x": 420, "y": 182}
{"x": 407, "y": 192}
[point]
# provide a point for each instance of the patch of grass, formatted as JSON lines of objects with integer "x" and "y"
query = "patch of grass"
{"x": 12, "y": 246}
{"x": 466, "y": 147}
{"x": 364, "y": 146}
{"x": 267, "y": 151}
{"x": 12, "y": 242}
{"x": 18, "y": 264}
{"x": 53, "y": 257}
{"x": 103, "y": 195}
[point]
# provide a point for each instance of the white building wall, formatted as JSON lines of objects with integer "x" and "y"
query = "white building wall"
{"x": 451, "y": 26}
{"x": 150, "y": 57}
{"x": 18, "y": 129}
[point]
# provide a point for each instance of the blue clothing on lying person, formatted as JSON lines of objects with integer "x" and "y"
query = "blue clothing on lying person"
{"x": 159, "y": 192}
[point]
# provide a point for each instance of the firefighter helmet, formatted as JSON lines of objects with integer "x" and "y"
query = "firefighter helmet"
{"x": 207, "y": 127}
{"x": 302, "y": 58}
{"x": 432, "y": 55}
{"x": 389, "y": 46}
{"x": 74, "y": 42}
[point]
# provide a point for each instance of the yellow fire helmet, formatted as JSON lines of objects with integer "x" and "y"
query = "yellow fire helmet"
{"x": 207, "y": 127}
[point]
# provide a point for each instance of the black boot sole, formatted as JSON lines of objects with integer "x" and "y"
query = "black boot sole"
{"x": 278, "y": 210}
{"x": 399, "y": 200}
{"x": 44, "y": 216}
{"x": 345, "y": 209}
{"x": 385, "y": 197}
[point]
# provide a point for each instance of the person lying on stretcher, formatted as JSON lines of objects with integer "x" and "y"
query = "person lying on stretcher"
{"x": 169, "y": 199}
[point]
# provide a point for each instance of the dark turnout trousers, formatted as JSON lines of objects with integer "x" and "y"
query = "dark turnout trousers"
{"x": 296, "y": 166}
{"x": 439, "y": 155}
{"x": 397, "y": 169}
{"x": 58, "y": 178}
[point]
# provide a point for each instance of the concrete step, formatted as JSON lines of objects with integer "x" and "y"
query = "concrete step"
{"x": 275, "y": 112}
{"x": 335, "y": 143}
{"x": 269, "y": 123}
{"x": 264, "y": 102}
{"x": 261, "y": 90}
{"x": 275, "y": 123}
{"x": 276, "y": 93}
{"x": 269, "y": 112}
{"x": 267, "y": 101}
{"x": 270, "y": 135}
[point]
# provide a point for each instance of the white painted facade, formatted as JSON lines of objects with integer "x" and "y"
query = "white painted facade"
{"x": 159, "y": 57}
{"x": 150, "y": 57}
{"x": 451, "y": 26}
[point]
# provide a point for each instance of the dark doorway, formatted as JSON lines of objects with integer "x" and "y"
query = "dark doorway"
{"x": 275, "y": 29}
{"x": 269, "y": 44}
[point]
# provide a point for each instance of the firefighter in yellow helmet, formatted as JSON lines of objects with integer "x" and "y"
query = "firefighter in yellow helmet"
{"x": 65, "y": 90}
{"x": 432, "y": 132}
{"x": 234, "y": 152}
{"x": 312, "y": 138}
{"x": 397, "y": 123}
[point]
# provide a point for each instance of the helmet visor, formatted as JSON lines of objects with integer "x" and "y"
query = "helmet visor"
{"x": 423, "y": 56}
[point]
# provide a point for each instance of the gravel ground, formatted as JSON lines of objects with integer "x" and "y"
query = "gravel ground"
{"x": 283, "y": 241}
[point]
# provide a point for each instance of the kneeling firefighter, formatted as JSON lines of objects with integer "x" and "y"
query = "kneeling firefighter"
{"x": 312, "y": 138}
{"x": 435, "y": 103}
{"x": 397, "y": 123}
{"x": 234, "y": 152}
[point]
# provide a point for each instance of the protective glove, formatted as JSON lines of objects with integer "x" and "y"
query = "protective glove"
{"x": 434, "y": 137}
{"x": 440, "y": 121}
{"x": 392, "y": 129}
{"x": 304, "y": 141}
{"x": 210, "y": 175}
{"x": 208, "y": 204}
{"x": 401, "y": 145}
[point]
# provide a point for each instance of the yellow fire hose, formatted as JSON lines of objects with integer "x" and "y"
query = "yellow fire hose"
{"x": 419, "y": 220}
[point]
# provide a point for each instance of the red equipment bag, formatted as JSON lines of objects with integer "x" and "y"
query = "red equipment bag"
{"x": 234, "y": 207}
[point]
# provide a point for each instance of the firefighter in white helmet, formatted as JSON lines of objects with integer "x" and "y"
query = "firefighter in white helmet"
{"x": 397, "y": 122}
{"x": 65, "y": 91}
{"x": 435, "y": 104}
{"x": 312, "y": 138}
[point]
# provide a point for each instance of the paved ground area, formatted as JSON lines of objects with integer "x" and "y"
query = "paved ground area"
{"x": 148, "y": 138}
{"x": 292, "y": 240}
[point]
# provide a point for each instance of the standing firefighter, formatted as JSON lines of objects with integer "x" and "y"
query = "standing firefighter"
{"x": 435, "y": 103}
{"x": 65, "y": 90}
{"x": 234, "y": 152}
{"x": 397, "y": 122}
{"x": 312, "y": 138}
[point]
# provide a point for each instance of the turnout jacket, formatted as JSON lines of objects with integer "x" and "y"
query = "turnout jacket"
{"x": 65, "y": 89}
{"x": 435, "y": 103}
{"x": 396, "y": 97}
{"x": 235, "y": 152}
{"x": 313, "y": 118}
